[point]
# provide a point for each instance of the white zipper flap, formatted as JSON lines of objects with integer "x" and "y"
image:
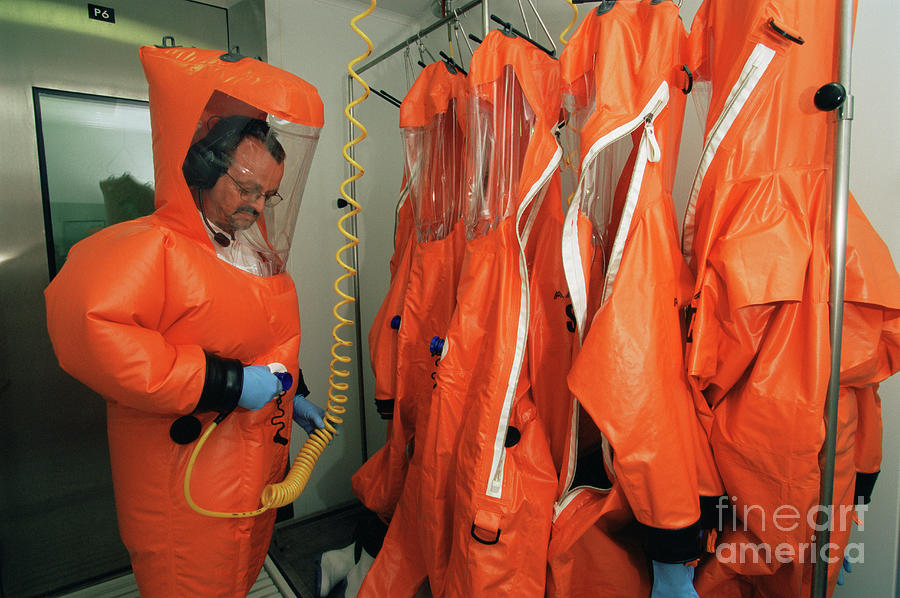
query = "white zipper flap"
{"x": 495, "y": 478}
{"x": 576, "y": 278}
{"x": 753, "y": 70}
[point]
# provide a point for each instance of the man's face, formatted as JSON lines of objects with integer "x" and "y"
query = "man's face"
{"x": 238, "y": 197}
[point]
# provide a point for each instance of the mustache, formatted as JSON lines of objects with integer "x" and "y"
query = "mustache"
{"x": 247, "y": 210}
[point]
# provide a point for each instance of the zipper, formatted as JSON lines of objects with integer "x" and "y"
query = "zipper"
{"x": 495, "y": 479}
{"x": 648, "y": 152}
{"x": 754, "y": 69}
{"x": 570, "y": 249}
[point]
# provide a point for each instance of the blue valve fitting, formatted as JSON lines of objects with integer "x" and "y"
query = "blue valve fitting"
{"x": 286, "y": 380}
{"x": 437, "y": 345}
{"x": 395, "y": 322}
{"x": 280, "y": 372}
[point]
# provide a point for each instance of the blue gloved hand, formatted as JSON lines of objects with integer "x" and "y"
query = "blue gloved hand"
{"x": 260, "y": 387}
{"x": 307, "y": 414}
{"x": 845, "y": 566}
{"x": 673, "y": 580}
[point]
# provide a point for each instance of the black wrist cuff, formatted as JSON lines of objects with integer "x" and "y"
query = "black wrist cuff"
{"x": 222, "y": 386}
{"x": 385, "y": 408}
{"x": 712, "y": 511}
{"x": 865, "y": 483}
{"x": 673, "y": 545}
{"x": 302, "y": 388}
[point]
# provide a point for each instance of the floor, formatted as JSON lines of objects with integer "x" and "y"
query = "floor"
{"x": 269, "y": 584}
{"x": 290, "y": 569}
{"x": 295, "y": 546}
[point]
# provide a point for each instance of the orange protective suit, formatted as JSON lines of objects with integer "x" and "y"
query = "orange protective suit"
{"x": 423, "y": 282}
{"x": 492, "y": 496}
{"x": 432, "y": 117}
{"x": 628, "y": 282}
{"x": 378, "y": 482}
{"x": 758, "y": 232}
{"x": 139, "y": 306}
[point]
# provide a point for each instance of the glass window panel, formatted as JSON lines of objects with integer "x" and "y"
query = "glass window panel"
{"x": 96, "y": 165}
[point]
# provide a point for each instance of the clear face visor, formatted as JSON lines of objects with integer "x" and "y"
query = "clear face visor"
{"x": 604, "y": 179}
{"x": 500, "y": 126}
{"x": 247, "y": 170}
{"x": 434, "y": 173}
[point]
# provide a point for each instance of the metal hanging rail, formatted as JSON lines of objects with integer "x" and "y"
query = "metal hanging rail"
{"x": 426, "y": 31}
{"x": 839, "y": 208}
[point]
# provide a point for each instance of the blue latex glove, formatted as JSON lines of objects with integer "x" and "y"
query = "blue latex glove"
{"x": 307, "y": 414}
{"x": 845, "y": 566}
{"x": 260, "y": 387}
{"x": 673, "y": 580}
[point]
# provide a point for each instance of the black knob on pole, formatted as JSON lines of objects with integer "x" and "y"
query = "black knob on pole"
{"x": 830, "y": 97}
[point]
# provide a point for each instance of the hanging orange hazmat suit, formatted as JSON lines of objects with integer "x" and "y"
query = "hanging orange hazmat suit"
{"x": 421, "y": 296}
{"x": 628, "y": 283}
{"x": 757, "y": 232}
{"x": 493, "y": 493}
{"x": 432, "y": 117}
{"x": 146, "y": 313}
{"x": 378, "y": 482}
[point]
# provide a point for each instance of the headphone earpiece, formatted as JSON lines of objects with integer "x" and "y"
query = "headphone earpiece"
{"x": 202, "y": 167}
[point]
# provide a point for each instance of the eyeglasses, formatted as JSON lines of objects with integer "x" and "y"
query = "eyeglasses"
{"x": 271, "y": 199}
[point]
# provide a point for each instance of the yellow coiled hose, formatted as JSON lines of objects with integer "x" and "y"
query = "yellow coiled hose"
{"x": 287, "y": 491}
{"x": 562, "y": 36}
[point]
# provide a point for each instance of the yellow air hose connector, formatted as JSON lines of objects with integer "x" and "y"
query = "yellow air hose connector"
{"x": 287, "y": 491}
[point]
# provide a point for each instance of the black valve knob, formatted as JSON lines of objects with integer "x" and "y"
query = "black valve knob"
{"x": 513, "y": 436}
{"x": 830, "y": 97}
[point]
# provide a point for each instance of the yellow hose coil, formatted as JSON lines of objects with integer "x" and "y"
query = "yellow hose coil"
{"x": 277, "y": 495}
{"x": 287, "y": 491}
{"x": 562, "y": 36}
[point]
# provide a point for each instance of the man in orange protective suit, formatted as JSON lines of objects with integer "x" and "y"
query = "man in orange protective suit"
{"x": 173, "y": 317}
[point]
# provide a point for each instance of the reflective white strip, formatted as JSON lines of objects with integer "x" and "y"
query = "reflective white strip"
{"x": 572, "y": 455}
{"x": 753, "y": 70}
{"x": 648, "y": 151}
{"x": 576, "y": 278}
{"x": 532, "y": 216}
{"x": 571, "y": 258}
{"x": 495, "y": 479}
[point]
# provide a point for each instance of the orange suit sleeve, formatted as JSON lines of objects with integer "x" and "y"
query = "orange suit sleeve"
{"x": 104, "y": 315}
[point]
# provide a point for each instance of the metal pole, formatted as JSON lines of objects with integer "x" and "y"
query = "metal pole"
{"x": 355, "y": 285}
{"x": 485, "y": 18}
{"x": 840, "y": 197}
{"x": 413, "y": 38}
